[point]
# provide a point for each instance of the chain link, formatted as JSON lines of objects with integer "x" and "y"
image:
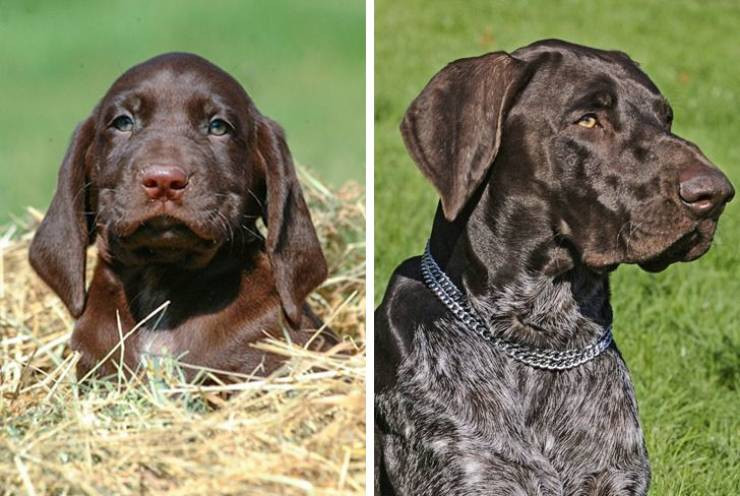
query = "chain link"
{"x": 441, "y": 285}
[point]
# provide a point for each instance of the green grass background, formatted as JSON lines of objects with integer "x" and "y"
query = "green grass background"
{"x": 302, "y": 62}
{"x": 678, "y": 330}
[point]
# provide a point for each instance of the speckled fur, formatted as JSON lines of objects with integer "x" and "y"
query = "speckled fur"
{"x": 536, "y": 209}
{"x": 465, "y": 419}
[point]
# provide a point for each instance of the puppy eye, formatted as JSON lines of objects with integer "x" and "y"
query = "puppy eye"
{"x": 218, "y": 127}
{"x": 588, "y": 121}
{"x": 123, "y": 123}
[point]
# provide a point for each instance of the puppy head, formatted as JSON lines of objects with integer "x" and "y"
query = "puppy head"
{"x": 174, "y": 164}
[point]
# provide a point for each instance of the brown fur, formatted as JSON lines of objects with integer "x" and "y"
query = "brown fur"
{"x": 193, "y": 241}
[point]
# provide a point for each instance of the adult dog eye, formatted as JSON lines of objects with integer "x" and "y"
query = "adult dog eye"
{"x": 588, "y": 121}
{"x": 218, "y": 127}
{"x": 123, "y": 123}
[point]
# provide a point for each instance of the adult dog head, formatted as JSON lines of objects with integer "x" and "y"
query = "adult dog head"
{"x": 173, "y": 167}
{"x": 580, "y": 140}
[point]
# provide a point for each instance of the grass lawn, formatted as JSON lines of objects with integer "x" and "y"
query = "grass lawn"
{"x": 678, "y": 330}
{"x": 302, "y": 63}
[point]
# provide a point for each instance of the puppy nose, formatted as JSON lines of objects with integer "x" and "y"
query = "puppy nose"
{"x": 704, "y": 190}
{"x": 164, "y": 181}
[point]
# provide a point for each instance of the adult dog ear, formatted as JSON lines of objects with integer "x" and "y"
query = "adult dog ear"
{"x": 453, "y": 128}
{"x": 297, "y": 261}
{"x": 58, "y": 249}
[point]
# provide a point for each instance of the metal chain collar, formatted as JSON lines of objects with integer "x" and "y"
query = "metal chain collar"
{"x": 540, "y": 358}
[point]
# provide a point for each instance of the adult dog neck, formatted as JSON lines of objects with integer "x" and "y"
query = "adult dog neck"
{"x": 525, "y": 284}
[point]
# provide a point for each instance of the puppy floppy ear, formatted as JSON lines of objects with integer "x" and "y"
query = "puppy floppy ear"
{"x": 453, "y": 128}
{"x": 57, "y": 252}
{"x": 298, "y": 263}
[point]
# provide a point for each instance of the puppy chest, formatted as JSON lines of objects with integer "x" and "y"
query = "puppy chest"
{"x": 159, "y": 343}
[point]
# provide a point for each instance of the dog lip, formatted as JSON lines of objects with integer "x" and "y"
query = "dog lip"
{"x": 163, "y": 226}
{"x": 690, "y": 246}
{"x": 166, "y": 240}
{"x": 686, "y": 247}
{"x": 163, "y": 222}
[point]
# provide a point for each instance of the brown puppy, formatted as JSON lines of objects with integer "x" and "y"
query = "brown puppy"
{"x": 168, "y": 176}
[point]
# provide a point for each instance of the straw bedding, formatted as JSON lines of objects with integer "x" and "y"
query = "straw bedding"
{"x": 299, "y": 431}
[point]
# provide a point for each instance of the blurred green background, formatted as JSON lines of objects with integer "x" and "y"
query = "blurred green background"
{"x": 679, "y": 330}
{"x": 302, "y": 62}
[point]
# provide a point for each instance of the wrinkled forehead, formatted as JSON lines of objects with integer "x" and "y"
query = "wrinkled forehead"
{"x": 573, "y": 71}
{"x": 170, "y": 83}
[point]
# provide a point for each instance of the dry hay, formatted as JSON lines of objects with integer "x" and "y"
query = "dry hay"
{"x": 300, "y": 431}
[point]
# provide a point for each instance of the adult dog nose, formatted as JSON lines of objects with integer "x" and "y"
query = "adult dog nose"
{"x": 164, "y": 181}
{"x": 704, "y": 190}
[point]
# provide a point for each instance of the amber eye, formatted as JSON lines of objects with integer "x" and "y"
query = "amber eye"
{"x": 123, "y": 123}
{"x": 588, "y": 121}
{"x": 218, "y": 127}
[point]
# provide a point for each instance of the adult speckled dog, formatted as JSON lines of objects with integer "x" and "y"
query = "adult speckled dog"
{"x": 554, "y": 165}
{"x": 169, "y": 176}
